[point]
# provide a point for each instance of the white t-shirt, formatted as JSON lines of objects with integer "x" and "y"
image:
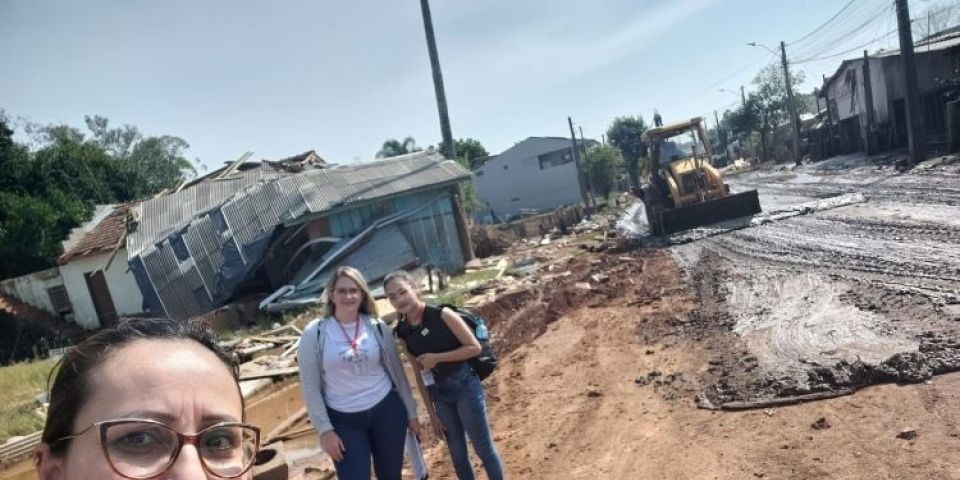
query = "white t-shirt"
{"x": 353, "y": 379}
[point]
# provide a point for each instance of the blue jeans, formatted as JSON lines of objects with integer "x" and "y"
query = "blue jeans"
{"x": 379, "y": 431}
{"x": 458, "y": 398}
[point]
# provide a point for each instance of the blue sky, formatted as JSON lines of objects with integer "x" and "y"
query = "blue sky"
{"x": 340, "y": 76}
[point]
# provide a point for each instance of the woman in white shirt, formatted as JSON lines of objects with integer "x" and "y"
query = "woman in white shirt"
{"x": 353, "y": 383}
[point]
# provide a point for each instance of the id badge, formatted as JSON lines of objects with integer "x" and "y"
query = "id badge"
{"x": 427, "y": 376}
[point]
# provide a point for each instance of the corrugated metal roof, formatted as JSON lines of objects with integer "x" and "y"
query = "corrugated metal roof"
{"x": 162, "y": 215}
{"x": 919, "y": 48}
{"x": 225, "y": 228}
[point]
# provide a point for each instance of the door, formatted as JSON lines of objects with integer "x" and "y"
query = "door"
{"x": 102, "y": 301}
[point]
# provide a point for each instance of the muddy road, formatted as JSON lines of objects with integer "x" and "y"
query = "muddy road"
{"x": 861, "y": 284}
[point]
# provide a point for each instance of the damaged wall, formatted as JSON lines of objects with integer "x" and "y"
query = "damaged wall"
{"x": 121, "y": 285}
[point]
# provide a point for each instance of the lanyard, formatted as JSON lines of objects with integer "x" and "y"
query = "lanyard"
{"x": 354, "y": 342}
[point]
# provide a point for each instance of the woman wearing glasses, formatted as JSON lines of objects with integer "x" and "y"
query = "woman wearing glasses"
{"x": 353, "y": 383}
{"x": 149, "y": 399}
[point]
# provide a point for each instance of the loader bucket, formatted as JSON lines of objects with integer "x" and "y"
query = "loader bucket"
{"x": 712, "y": 211}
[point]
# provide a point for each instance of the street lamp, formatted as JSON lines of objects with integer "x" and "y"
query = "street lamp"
{"x": 755, "y": 44}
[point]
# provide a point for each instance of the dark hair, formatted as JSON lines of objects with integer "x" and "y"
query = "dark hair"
{"x": 70, "y": 387}
{"x": 401, "y": 275}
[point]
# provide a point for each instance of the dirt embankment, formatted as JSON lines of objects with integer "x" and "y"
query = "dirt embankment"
{"x": 601, "y": 383}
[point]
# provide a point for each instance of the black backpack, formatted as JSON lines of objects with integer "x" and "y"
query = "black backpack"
{"x": 485, "y": 363}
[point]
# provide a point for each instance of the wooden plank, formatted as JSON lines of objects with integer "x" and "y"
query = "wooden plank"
{"x": 278, "y": 372}
{"x": 285, "y": 425}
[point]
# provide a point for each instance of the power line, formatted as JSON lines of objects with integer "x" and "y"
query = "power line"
{"x": 838, "y": 54}
{"x": 859, "y": 47}
{"x": 830, "y": 42}
{"x": 824, "y": 24}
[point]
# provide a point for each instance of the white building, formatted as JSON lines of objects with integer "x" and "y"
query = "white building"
{"x": 536, "y": 174}
{"x": 96, "y": 274}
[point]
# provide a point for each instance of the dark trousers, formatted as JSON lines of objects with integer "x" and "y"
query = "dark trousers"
{"x": 380, "y": 432}
{"x": 459, "y": 400}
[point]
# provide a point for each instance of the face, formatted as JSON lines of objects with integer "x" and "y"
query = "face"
{"x": 347, "y": 296}
{"x": 177, "y": 382}
{"x": 402, "y": 296}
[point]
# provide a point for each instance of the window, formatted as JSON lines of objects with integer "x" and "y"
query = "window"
{"x": 478, "y": 173}
{"x": 555, "y": 159}
{"x": 515, "y": 199}
{"x": 506, "y": 167}
{"x": 59, "y": 299}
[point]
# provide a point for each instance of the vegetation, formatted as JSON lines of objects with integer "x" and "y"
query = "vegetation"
{"x": 766, "y": 108}
{"x": 394, "y": 148}
{"x": 19, "y": 384}
{"x": 51, "y": 186}
{"x": 604, "y": 166}
{"x": 470, "y": 152}
{"x": 624, "y": 134}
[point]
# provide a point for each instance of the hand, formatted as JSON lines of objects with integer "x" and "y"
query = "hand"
{"x": 427, "y": 360}
{"x": 414, "y": 426}
{"x": 330, "y": 442}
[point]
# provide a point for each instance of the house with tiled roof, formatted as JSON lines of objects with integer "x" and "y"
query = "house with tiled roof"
{"x": 95, "y": 273}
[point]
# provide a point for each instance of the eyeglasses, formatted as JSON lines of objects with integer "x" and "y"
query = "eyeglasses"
{"x": 141, "y": 449}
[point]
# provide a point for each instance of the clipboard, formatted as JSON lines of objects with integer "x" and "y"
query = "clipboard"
{"x": 415, "y": 454}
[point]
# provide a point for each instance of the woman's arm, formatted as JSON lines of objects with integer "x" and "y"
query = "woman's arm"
{"x": 308, "y": 359}
{"x": 469, "y": 346}
{"x": 424, "y": 392}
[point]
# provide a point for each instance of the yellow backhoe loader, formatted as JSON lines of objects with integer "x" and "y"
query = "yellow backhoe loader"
{"x": 683, "y": 190}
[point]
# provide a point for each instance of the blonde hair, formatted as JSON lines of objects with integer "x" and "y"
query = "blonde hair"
{"x": 368, "y": 306}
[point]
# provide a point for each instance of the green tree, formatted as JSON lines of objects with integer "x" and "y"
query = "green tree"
{"x": 470, "y": 149}
{"x": 146, "y": 164}
{"x": 394, "y": 147}
{"x": 604, "y": 165}
{"x": 767, "y": 107}
{"x": 47, "y": 191}
{"x": 625, "y": 134}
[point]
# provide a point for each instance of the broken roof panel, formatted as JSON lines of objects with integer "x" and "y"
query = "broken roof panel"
{"x": 159, "y": 216}
{"x": 325, "y": 190}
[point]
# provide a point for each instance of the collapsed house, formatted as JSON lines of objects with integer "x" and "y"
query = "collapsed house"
{"x": 199, "y": 248}
{"x": 251, "y": 228}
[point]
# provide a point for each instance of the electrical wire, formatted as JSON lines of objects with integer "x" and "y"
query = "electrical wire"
{"x": 824, "y": 24}
{"x": 829, "y": 43}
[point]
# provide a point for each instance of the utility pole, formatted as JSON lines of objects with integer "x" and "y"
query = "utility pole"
{"x": 449, "y": 149}
{"x": 916, "y": 137}
{"x": 576, "y": 160}
{"x": 717, "y": 119}
{"x": 793, "y": 107}
{"x": 868, "y": 95}
{"x": 743, "y": 98}
{"x": 586, "y": 167}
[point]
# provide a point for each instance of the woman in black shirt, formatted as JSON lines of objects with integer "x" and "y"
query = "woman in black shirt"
{"x": 439, "y": 344}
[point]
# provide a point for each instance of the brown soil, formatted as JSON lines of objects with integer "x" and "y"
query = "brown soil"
{"x": 604, "y": 386}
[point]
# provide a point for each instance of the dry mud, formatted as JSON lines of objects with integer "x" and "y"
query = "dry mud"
{"x": 850, "y": 277}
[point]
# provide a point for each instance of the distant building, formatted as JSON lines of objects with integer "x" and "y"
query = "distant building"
{"x": 537, "y": 174}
